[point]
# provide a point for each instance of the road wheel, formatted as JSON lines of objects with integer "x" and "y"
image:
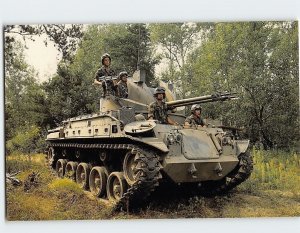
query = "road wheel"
{"x": 70, "y": 170}
{"x": 98, "y": 180}
{"x": 82, "y": 175}
{"x": 60, "y": 167}
{"x": 116, "y": 186}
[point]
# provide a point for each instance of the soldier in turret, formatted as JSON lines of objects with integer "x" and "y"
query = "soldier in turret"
{"x": 158, "y": 110}
{"x": 109, "y": 85}
{"x": 194, "y": 119}
{"x": 122, "y": 85}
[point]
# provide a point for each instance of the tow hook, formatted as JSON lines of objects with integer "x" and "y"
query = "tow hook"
{"x": 192, "y": 170}
{"x": 218, "y": 169}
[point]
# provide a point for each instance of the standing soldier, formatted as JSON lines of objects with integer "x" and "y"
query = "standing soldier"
{"x": 109, "y": 84}
{"x": 158, "y": 110}
{"x": 122, "y": 85}
{"x": 195, "y": 119}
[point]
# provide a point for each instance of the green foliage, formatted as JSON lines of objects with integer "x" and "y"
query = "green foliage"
{"x": 275, "y": 170}
{"x": 131, "y": 48}
{"x": 260, "y": 61}
{"x": 26, "y": 140}
{"x": 25, "y": 113}
{"x": 177, "y": 40}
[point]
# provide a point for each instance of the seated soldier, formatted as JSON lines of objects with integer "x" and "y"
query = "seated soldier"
{"x": 158, "y": 110}
{"x": 122, "y": 85}
{"x": 195, "y": 118}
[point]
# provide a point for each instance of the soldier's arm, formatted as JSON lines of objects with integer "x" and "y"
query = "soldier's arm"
{"x": 171, "y": 122}
{"x": 96, "y": 79}
{"x": 203, "y": 124}
{"x": 112, "y": 72}
{"x": 118, "y": 90}
{"x": 96, "y": 82}
{"x": 187, "y": 123}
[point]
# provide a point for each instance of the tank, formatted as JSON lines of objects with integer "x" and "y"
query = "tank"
{"x": 121, "y": 156}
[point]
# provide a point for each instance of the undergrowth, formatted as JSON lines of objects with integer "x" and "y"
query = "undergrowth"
{"x": 275, "y": 182}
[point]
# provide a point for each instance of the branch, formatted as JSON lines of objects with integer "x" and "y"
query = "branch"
{"x": 22, "y": 34}
{"x": 57, "y": 25}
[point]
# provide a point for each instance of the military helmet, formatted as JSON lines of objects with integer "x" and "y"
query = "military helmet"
{"x": 123, "y": 73}
{"x": 159, "y": 90}
{"x": 105, "y": 55}
{"x": 196, "y": 107}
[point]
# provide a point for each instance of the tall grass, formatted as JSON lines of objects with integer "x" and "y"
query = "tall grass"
{"x": 275, "y": 170}
{"x": 52, "y": 199}
{"x": 275, "y": 181}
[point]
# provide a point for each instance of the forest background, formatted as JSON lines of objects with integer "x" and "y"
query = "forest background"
{"x": 258, "y": 60}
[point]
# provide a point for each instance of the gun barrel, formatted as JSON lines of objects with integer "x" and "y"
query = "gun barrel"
{"x": 201, "y": 99}
{"x": 104, "y": 78}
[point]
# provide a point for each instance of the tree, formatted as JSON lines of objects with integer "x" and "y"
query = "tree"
{"x": 65, "y": 36}
{"x": 177, "y": 41}
{"x": 71, "y": 93}
{"x": 24, "y": 102}
{"x": 131, "y": 48}
{"x": 259, "y": 59}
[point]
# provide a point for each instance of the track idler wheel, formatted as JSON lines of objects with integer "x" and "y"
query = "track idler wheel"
{"x": 98, "y": 181}
{"x": 70, "y": 171}
{"x": 129, "y": 168}
{"x": 51, "y": 157}
{"x": 82, "y": 175}
{"x": 116, "y": 186}
{"x": 60, "y": 167}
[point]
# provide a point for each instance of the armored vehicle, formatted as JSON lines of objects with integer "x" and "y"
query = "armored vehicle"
{"x": 121, "y": 156}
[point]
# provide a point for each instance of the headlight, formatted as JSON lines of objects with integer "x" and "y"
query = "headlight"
{"x": 171, "y": 138}
{"x": 178, "y": 138}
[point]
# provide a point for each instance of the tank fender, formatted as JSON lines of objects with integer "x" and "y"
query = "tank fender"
{"x": 153, "y": 142}
{"x": 242, "y": 146}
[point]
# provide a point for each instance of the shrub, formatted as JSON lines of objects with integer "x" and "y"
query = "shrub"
{"x": 26, "y": 140}
{"x": 275, "y": 170}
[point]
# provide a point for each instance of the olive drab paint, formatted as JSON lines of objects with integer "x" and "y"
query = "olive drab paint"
{"x": 122, "y": 156}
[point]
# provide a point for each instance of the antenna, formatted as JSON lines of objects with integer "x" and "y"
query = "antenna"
{"x": 138, "y": 58}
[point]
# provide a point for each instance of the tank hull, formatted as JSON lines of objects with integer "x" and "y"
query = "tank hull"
{"x": 120, "y": 157}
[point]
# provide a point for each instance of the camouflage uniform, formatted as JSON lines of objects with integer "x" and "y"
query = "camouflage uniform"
{"x": 158, "y": 112}
{"x": 122, "y": 89}
{"x": 109, "y": 88}
{"x": 194, "y": 121}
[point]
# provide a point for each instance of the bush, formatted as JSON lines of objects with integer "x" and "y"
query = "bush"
{"x": 27, "y": 140}
{"x": 275, "y": 170}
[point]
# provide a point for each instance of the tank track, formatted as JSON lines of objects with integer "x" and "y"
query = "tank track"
{"x": 148, "y": 175}
{"x": 147, "y": 172}
{"x": 236, "y": 177}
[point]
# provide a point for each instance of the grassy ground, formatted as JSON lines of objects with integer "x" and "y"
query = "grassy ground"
{"x": 273, "y": 190}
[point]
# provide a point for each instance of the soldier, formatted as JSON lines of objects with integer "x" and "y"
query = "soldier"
{"x": 195, "y": 119}
{"x": 109, "y": 85}
{"x": 122, "y": 85}
{"x": 158, "y": 110}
